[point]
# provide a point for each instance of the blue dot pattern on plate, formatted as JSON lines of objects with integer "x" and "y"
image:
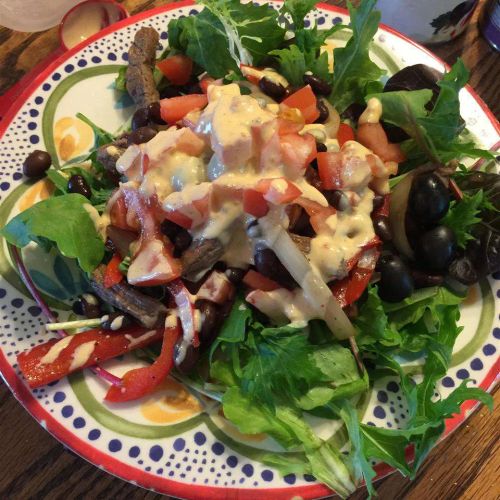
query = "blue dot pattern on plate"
{"x": 190, "y": 457}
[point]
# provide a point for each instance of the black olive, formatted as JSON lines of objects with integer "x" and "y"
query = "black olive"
{"x": 87, "y": 305}
{"x": 116, "y": 321}
{"x": 110, "y": 245}
{"x": 423, "y": 279}
{"x": 142, "y": 135}
{"x": 209, "y": 321}
{"x": 321, "y": 148}
{"x": 140, "y": 118}
{"x": 268, "y": 264}
{"x": 382, "y": 227}
{"x": 395, "y": 282}
{"x": 323, "y": 111}
{"x": 191, "y": 357}
{"x": 337, "y": 199}
{"x": 429, "y": 198}
{"x": 155, "y": 113}
{"x": 318, "y": 85}
{"x": 169, "y": 229}
{"x": 77, "y": 184}
{"x": 436, "y": 248}
{"x": 272, "y": 89}
{"x": 235, "y": 274}
{"x": 36, "y": 163}
{"x": 394, "y": 134}
{"x": 181, "y": 241}
{"x": 463, "y": 270}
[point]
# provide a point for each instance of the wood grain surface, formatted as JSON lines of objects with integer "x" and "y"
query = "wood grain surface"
{"x": 34, "y": 465}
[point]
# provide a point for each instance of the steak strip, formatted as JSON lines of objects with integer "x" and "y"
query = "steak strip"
{"x": 141, "y": 59}
{"x": 148, "y": 311}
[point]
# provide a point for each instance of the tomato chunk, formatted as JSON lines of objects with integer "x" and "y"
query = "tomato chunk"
{"x": 297, "y": 151}
{"x": 174, "y": 109}
{"x": 257, "y": 281}
{"x": 176, "y": 68}
{"x": 55, "y": 359}
{"x": 141, "y": 381}
{"x": 304, "y": 100}
{"x": 330, "y": 169}
{"x": 254, "y": 203}
{"x": 344, "y": 134}
{"x": 278, "y": 191}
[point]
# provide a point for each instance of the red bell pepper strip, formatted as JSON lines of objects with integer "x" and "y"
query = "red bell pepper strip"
{"x": 350, "y": 289}
{"x": 112, "y": 273}
{"x": 373, "y": 136}
{"x": 55, "y": 359}
{"x": 141, "y": 381}
{"x": 184, "y": 302}
{"x": 257, "y": 281}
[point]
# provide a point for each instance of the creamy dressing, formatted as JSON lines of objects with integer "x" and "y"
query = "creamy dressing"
{"x": 347, "y": 233}
{"x": 82, "y": 354}
{"x": 372, "y": 113}
{"x": 55, "y": 350}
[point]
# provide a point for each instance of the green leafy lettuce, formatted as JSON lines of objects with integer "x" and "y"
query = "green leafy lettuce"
{"x": 354, "y": 72}
{"x": 303, "y": 52}
{"x": 226, "y": 33}
{"x": 63, "y": 220}
{"x": 438, "y": 134}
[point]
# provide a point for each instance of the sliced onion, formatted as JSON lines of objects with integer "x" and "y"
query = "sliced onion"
{"x": 315, "y": 289}
{"x": 397, "y": 215}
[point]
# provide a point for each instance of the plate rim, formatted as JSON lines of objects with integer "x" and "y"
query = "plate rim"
{"x": 105, "y": 461}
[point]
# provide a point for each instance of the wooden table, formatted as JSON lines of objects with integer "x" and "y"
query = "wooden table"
{"x": 35, "y": 465}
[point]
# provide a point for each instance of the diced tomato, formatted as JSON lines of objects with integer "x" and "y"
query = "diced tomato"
{"x": 257, "y": 281}
{"x": 344, "y": 134}
{"x": 176, "y": 68}
{"x": 179, "y": 218}
{"x": 297, "y": 151}
{"x": 216, "y": 288}
{"x": 318, "y": 214}
{"x": 304, "y": 100}
{"x": 254, "y": 203}
{"x": 202, "y": 206}
{"x": 330, "y": 169}
{"x": 138, "y": 382}
{"x": 174, "y": 109}
{"x": 38, "y": 370}
{"x": 350, "y": 289}
{"x": 205, "y": 82}
{"x": 112, "y": 273}
{"x": 373, "y": 136}
{"x": 286, "y": 126}
{"x": 278, "y": 191}
{"x": 185, "y": 305}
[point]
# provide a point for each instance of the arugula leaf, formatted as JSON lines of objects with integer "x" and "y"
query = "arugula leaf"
{"x": 237, "y": 33}
{"x": 298, "y": 10}
{"x": 101, "y": 136}
{"x": 353, "y": 68}
{"x": 63, "y": 220}
{"x": 462, "y": 215}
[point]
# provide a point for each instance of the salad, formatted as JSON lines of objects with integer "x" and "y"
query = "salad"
{"x": 278, "y": 225}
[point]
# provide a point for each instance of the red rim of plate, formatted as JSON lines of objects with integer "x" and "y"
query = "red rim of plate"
{"x": 127, "y": 472}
